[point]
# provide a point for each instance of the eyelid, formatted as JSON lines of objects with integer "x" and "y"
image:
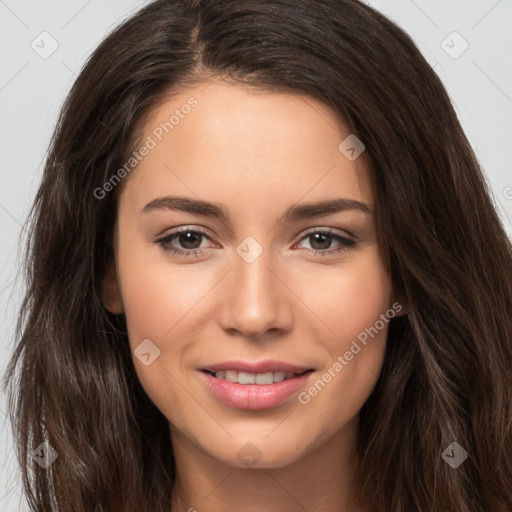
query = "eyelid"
{"x": 193, "y": 229}
{"x": 185, "y": 227}
{"x": 345, "y": 243}
{"x": 335, "y": 231}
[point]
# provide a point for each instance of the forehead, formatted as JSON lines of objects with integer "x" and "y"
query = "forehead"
{"x": 231, "y": 144}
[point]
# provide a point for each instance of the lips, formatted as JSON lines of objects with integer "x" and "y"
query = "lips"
{"x": 245, "y": 385}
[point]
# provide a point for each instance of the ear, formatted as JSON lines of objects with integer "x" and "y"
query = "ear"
{"x": 111, "y": 294}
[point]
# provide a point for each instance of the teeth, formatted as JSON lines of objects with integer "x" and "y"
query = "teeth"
{"x": 246, "y": 378}
{"x": 251, "y": 378}
{"x": 231, "y": 375}
{"x": 264, "y": 378}
{"x": 278, "y": 376}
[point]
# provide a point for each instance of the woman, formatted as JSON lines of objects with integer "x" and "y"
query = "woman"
{"x": 181, "y": 348}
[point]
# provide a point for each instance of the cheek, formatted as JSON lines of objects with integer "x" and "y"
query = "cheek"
{"x": 156, "y": 301}
{"x": 157, "y": 296}
{"x": 163, "y": 303}
{"x": 350, "y": 299}
{"x": 361, "y": 332}
{"x": 353, "y": 304}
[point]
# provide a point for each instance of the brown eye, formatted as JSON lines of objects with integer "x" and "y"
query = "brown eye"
{"x": 189, "y": 239}
{"x": 321, "y": 241}
{"x": 185, "y": 241}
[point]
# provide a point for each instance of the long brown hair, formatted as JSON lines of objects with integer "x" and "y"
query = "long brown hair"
{"x": 446, "y": 376}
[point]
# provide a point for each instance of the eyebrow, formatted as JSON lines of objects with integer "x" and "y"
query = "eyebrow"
{"x": 295, "y": 213}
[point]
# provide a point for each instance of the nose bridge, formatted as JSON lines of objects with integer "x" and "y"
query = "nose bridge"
{"x": 255, "y": 300}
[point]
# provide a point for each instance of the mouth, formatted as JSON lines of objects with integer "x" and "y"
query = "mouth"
{"x": 259, "y": 379}
{"x": 255, "y": 386}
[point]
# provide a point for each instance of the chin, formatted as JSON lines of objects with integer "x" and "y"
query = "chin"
{"x": 255, "y": 452}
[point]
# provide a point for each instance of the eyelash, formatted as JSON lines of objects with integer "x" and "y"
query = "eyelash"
{"x": 345, "y": 243}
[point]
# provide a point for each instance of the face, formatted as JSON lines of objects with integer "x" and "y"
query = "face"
{"x": 224, "y": 264}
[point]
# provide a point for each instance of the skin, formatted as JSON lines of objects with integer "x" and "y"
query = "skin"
{"x": 256, "y": 154}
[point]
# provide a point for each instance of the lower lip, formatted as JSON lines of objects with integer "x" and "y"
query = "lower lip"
{"x": 254, "y": 396}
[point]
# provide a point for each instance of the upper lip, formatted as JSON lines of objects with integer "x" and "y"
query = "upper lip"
{"x": 257, "y": 367}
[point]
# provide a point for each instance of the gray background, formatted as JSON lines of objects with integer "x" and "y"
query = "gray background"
{"x": 34, "y": 84}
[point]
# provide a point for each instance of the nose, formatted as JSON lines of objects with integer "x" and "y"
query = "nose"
{"x": 255, "y": 299}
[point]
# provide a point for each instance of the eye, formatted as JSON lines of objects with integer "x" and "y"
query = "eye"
{"x": 189, "y": 239}
{"x": 321, "y": 240}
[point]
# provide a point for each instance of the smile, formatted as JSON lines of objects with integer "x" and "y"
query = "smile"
{"x": 254, "y": 378}
{"x": 254, "y": 391}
